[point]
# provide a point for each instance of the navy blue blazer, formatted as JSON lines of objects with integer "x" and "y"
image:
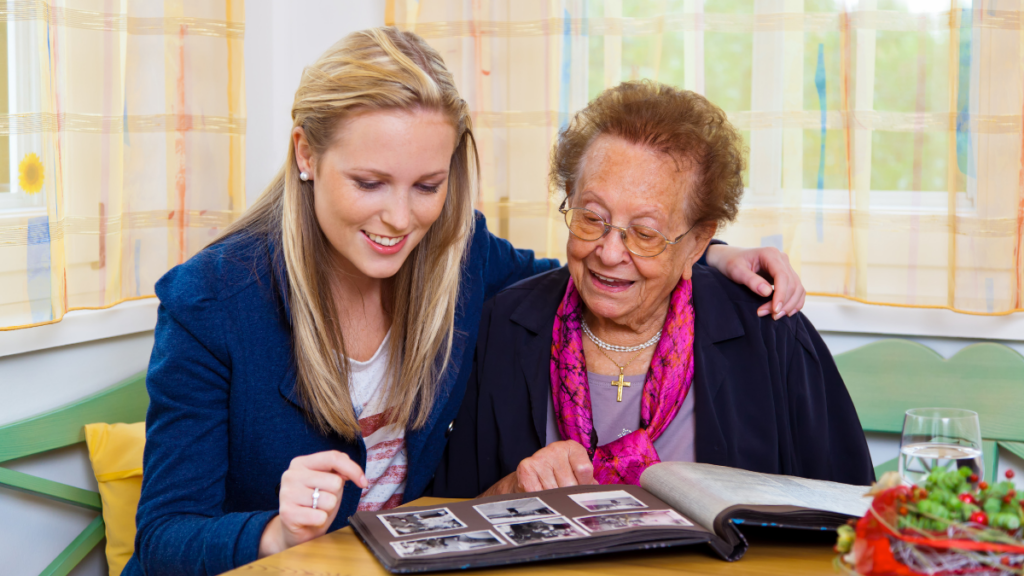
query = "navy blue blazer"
{"x": 224, "y": 421}
{"x": 768, "y": 395}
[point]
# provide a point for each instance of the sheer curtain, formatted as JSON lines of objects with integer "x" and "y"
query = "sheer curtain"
{"x": 124, "y": 123}
{"x": 885, "y": 136}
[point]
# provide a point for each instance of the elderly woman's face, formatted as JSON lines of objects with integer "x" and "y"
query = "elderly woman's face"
{"x": 628, "y": 184}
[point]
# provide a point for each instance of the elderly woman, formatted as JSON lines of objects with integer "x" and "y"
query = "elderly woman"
{"x": 634, "y": 353}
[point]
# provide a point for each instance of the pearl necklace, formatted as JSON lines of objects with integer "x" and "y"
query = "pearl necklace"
{"x": 602, "y": 344}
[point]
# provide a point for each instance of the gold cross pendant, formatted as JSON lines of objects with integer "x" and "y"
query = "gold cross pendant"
{"x": 620, "y": 384}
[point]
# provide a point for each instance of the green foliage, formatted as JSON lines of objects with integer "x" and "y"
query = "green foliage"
{"x": 953, "y": 496}
{"x": 847, "y": 535}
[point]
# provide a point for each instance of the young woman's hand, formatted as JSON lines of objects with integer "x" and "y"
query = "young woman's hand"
{"x": 298, "y": 521}
{"x": 746, "y": 266}
{"x": 557, "y": 465}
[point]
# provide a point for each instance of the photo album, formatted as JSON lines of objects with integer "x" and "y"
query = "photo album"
{"x": 679, "y": 503}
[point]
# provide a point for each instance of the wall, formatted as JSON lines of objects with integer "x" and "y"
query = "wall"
{"x": 34, "y": 382}
{"x": 46, "y": 367}
{"x": 281, "y": 39}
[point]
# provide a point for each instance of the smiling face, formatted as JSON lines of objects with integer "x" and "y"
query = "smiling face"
{"x": 379, "y": 186}
{"x": 628, "y": 184}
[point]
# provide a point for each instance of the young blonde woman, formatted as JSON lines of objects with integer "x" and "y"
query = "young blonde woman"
{"x": 311, "y": 362}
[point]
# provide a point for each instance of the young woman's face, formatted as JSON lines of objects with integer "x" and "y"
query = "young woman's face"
{"x": 379, "y": 186}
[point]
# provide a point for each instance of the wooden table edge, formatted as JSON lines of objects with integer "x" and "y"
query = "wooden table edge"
{"x": 342, "y": 552}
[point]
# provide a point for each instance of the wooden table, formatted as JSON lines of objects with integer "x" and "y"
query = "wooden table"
{"x": 772, "y": 552}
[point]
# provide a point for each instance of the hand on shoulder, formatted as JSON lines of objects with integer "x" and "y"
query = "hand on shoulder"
{"x": 764, "y": 271}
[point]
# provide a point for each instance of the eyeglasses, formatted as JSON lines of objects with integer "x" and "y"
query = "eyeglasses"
{"x": 642, "y": 241}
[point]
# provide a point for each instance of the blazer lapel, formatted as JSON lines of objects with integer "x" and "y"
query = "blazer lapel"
{"x": 709, "y": 442}
{"x": 536, "y": 315}
{"x": 287, "y": 387}
{"x": 716, "y": 321}
{"x": 531, "y": 352}
{"x": 415, "y": 439}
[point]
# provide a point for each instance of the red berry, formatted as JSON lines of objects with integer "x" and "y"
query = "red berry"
{"x": 1007, "y": 499}
{"x": 980, "y": 518}
{"x": 903, "y": 510}
{"x": 967, "y": 498}
{"x": 1005, "y": 560}
{"x": 1009, "y": 474}
{"x": 973, "y": 478}
{"x": 1012, "y": 493}
{"x": 983, "y": 485}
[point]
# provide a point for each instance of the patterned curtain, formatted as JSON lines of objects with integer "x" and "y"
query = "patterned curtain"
{"x": 885, "y": 136}
{"x": 124, "y": 123}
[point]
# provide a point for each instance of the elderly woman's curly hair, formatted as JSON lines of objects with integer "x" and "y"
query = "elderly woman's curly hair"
{"x": 680, "y": 123}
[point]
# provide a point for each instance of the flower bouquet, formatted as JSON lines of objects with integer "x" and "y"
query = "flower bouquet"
{"x": 951, "y": 525}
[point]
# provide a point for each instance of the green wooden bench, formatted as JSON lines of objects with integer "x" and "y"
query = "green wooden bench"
{"x": 124, "y": 402}
{"x": 888, "y": 377}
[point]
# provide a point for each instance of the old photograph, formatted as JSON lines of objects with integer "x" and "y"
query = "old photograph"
{"x": 442, "y": 544}
{"x": 406, "y": 523}
{"x": 542, "y": 530}
{"x": 607, "y": 501}
{"x": 621, "y": 520}
{"x": 511, "y": 510}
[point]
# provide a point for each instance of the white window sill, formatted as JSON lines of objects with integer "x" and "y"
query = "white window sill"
{"x": 841, "y": 315}
{"x": 82, "y": 326}
{"x": 828, "y": 315}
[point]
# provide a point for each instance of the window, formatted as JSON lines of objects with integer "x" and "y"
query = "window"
{"x": 19, "y": 148}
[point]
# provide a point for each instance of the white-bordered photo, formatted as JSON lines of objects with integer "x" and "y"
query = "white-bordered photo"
{"x": 607, "y": 501}
{"x": 513, "y": 510}
{"x": 451, "y": 543}
{"x": 622, "y": 520}
{"x": 407, "y": 523}
{"x": 540, "y": 530}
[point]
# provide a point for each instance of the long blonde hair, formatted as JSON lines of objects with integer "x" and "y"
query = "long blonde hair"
{"x": 380, "y": 68}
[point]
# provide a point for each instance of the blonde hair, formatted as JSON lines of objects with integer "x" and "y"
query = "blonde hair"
{"x": 380, "y": 68}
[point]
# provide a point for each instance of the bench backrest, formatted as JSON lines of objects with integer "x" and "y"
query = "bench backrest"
{"x": 124, "y": 402}
{"x": 889, "y": 377}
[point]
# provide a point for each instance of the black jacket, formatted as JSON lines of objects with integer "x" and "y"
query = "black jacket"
{"x": 768, "y": 395}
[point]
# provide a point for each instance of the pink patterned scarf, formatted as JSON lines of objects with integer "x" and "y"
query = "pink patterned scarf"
{"x": 668, "y": 381}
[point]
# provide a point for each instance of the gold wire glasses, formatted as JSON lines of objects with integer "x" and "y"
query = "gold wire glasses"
{"x": 640, "y": 240}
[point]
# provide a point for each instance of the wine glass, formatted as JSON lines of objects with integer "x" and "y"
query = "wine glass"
{"x": 939, "y": 439}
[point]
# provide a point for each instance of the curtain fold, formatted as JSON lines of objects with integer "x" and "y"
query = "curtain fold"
{"x": 885, "y": 136}
{"x": 125, "y": 126}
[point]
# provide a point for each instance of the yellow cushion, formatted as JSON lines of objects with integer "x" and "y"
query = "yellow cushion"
{"x": 116, "y": 454}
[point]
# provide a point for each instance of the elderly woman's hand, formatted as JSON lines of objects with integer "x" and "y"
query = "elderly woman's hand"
{"x": 745, "y": 266}
{"x": 557, "y": 465}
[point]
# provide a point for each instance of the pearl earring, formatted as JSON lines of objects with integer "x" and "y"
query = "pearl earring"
{"x": 303, "y": 176}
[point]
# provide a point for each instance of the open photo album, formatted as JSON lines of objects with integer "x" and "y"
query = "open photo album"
{"x": 680, "y": 503}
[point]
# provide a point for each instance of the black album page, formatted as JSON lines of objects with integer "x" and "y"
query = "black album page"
{"x": 509, "y": 529}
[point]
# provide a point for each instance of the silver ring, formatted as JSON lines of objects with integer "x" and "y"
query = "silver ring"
{"x": 316, "y": 497}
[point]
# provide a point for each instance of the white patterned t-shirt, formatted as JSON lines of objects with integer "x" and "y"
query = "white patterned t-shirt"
{"x": 386, "y": 462}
